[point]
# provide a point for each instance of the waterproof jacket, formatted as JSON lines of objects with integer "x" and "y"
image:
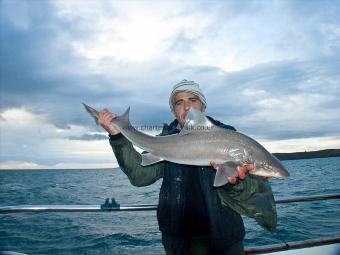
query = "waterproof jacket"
{"x": 252, "y": 196}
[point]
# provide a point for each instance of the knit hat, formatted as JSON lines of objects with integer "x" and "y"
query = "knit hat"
{"x": 187, "y": 86}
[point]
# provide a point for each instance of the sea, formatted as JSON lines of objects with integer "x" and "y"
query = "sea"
{"x": 137, "y": 232}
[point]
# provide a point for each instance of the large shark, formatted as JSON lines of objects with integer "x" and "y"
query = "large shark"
{"x": 199, "y": 142}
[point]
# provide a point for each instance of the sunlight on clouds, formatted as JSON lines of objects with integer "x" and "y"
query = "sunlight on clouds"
{"x": 30, "y": 165}
{"x": 180, "y": 32}
{"x": 83, "y": 165}
{"x": 130, "y": 34}
{"x": 120, "y": 53}
{"x": 22, "y": 120}
{"x": 20, "y": 116}
{"x": 300, "y": 145}
{"x": 20, "y": 165}
{"x": 81, "y": 150}
{"x": 41, "y": 141}
{"x": 134, "y": 32}
{"x": 134, "y": 41}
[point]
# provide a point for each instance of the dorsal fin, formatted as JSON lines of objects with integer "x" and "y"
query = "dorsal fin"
{"x": 196, "y": 121}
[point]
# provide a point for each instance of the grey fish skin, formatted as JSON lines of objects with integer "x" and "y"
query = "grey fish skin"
{"x": 199, "y": 142}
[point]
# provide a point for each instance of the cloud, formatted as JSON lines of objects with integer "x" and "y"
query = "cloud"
{"x": 88, "y": 137}
{"x": 268, "y": 68}
{"x": 299, "y": 145}
{"x": 28, "y": 137}
{"x": 20, "y": 165}
{"x": 281, "y": 100}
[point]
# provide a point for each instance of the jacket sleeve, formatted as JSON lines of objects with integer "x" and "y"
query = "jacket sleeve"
{"x": 129, "y": 161}
{"x": 252, "y": 197}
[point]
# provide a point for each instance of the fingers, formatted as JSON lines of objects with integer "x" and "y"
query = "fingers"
{"x": 241, "y": 171}
{"x": 104, "y": 113}
{"x": 241, "y": 174}
{"x": 232, "y": 180}
{"x": 214, "y": 165}
{"x": 249, "y": 167}
{"x": 106, "y": 117}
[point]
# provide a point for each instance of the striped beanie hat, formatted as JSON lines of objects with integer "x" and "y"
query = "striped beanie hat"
{"x": 187, "y": 86}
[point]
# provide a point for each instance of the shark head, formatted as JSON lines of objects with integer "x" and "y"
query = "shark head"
{"x": 271, "y": 167}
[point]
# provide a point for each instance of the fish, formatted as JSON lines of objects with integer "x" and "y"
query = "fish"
{"x": 198, "y": 143}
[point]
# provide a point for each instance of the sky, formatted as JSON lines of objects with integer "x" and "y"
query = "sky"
{"x": 269, "y": 68}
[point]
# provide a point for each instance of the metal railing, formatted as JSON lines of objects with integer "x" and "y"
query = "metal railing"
{"x": 113, "y": 206}
{"x": 292, "y": 245}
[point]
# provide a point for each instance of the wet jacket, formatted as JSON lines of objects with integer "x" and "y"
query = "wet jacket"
{"x": 220, "y": 206}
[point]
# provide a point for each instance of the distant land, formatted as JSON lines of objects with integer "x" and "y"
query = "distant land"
{"x": 308, "y": 154}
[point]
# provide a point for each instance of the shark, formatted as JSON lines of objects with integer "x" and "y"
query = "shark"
{"x": 198, "y": 143}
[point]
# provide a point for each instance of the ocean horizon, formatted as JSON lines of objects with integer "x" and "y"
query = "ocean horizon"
{"x": 137, "y": 232}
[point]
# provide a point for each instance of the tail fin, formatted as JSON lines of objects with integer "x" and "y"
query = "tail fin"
{"x": 94, "y": 113}
{"x": 121, "y": 122}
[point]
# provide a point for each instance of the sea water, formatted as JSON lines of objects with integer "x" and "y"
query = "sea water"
{"x": 137, "y": 232}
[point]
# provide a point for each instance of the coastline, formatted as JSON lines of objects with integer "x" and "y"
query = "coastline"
{"x": 308, "y": 154}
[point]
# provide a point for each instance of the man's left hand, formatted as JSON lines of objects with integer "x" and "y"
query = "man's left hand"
{"x": 241, "y": 171}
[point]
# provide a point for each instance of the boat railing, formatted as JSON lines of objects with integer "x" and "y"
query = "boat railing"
{"x": 292, "y": 245}
{"x": 113, "y": 206}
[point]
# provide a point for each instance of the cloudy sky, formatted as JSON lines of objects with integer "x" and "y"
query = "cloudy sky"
{"x": 269, "y": 68}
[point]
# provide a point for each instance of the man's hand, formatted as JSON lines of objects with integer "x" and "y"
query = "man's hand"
{"x": 241, "y": 171}
{"x": 105, "y": 118}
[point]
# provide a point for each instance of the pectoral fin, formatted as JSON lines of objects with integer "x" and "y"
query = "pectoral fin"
{"x": 149, "y": 159}
{"x": 225, "y": 170}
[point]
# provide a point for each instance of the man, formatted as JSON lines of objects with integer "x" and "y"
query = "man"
{"x": 193, "y": 216}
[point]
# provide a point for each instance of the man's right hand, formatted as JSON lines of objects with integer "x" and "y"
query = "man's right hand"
{"x": 105, "y": 118}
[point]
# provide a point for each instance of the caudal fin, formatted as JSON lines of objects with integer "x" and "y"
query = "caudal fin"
{"x": 121, "y": 122}
{"x": 93, "y": 112}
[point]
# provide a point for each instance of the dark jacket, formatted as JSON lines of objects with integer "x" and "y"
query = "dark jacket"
{"x": 221, "y": 206}
{"x": 186, "y": 186}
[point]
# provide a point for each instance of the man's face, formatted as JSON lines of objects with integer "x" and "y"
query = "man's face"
{"x": 183, "y": 102}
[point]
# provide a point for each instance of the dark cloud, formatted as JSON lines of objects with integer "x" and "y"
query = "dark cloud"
{"x": 88, "y": 137}
{"x": 282, "y": 100}
{"x": 40, "y": 72}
